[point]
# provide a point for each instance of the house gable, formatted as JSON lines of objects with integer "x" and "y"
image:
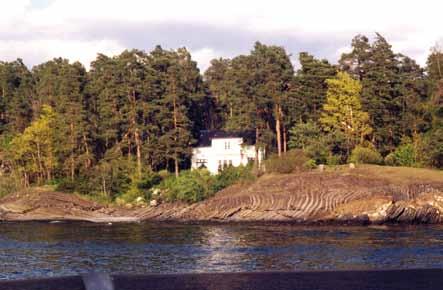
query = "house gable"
{"x": 218, "y": 149}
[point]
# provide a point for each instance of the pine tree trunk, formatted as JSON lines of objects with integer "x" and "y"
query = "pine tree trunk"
{"x": 105, "y": 193}
{"x": 88, "y": 161}
{"x": 72, "y": 152}
{"x": 26, "y": 179}
{"x": 176, "y": 166}
{"x": 139, "y": 152}
{"x": 39, "y": 161}
{"x": 278, "y": 129}
{"x": 129, "y": 147}
{"x": 285, "y": 142}
{"x": 257, "y": 166}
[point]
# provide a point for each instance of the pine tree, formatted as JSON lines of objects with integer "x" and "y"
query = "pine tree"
{"x": 216, "y": 77}
{"x": 274, "y": 73}
{"x": 310, "y": 87}
{"x": 378, "y": 68}
{"x": 60, "y": 85}
{"x": 16, "y": 96}
{"x": 180, "y": 92}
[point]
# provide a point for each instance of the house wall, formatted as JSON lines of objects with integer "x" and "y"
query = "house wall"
{"x": 224, "y": 152}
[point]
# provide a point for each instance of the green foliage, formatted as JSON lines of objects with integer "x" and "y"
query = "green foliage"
{"x": 433, "y": 148}
{"x": 35, "y": 150}
{"x": 393, "y": 90}
{"x": 16, "y": 97}
{"x": 334, "y": 160}
{"x": 410, "y": 153}
{"x": 342, "y": 110}
{"x": 318, "y": 145}
{"x": 231, "y": 175}
{"x": 196, "y": 185}
{"x": 365, "y": 155}
{"x": 291, "y": 161}
{"x": 99, "y": 132}
{"x": 302, "y": 135}
{"x": 404, "y": 155}
{"x": 189, "y": 186}
{"x": 309, "y": 93}
{"x": 140, "y": 188}
{"x": 318, "y": 150}
{"x": 310, "y": 164}
{"x": 390, "y": 159}
{"x": 9, "y": 184}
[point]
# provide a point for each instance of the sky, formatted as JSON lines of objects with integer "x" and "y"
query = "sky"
{"x": 39, "y": 30}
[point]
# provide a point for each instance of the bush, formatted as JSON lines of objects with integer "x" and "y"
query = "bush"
{"x": 140, "y": 187}
{"x": 310, "y": 164}
{"x": 334, "y": 160}
{"x": 302, "y": 135}
{"x": 231, "y": 175}
{"x": 81, "y": 185}
{"x": 365, "y": 155}
{"x": 390, "y": 159}
{"x": 433, "y": 148}
{"x": 291, "y": 161}
{"x": 318, "y": 151}
{"x": 405, "y": 155}
{"x": 189, "y": 186}
{"x": 196, "y": 185}
{"x": 9, "y": 184}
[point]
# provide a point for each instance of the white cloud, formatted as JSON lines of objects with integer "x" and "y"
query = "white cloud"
{"x": 37, "y": 51}
{"x": 64, "y": 27}
{"x": 204, "y": 56}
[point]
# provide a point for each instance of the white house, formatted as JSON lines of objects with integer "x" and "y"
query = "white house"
{"x": 218, "y": 149}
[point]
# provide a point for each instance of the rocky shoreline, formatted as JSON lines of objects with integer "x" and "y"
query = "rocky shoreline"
{"x": 358, "y": 197}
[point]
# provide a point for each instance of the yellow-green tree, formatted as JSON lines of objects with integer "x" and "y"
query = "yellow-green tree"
{"x": 34, "y": 151}
{"x": 342, "y": 110}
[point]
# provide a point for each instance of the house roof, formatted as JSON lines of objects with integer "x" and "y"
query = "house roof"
{"x": 206, "y": 136}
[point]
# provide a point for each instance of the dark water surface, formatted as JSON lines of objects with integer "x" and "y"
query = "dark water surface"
{"x": 45, "y": 249}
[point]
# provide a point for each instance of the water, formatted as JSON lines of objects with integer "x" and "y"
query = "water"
{"x": 45, "y": 249}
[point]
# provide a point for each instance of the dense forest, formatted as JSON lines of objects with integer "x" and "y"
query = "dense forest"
{"x": 141, "y": 112}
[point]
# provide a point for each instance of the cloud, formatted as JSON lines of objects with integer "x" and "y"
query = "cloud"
{"x": 80, "y": 29}
{"x": 38, "y": 51}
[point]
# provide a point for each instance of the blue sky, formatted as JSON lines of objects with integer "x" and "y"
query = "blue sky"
{"x": 39, "y": 30}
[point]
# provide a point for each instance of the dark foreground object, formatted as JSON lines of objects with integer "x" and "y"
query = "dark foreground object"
{"x": 333, "y": 280}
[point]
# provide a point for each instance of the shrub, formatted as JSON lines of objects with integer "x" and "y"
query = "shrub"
{"x": 302, "y": 135}
{"x": 231, "y": 175}
{"x": 334, "y": 160}
{"x": 318, "y": 151}
{"x": 433, "y": 148}
{"x": 189, "y": 186}
{"x": 390, "y": 159}
{"x": 8, "y": 184}
{"x": 405, "y": 155}
{"x": 365, "y": 155}
{"x": 149, "y": 180}
{"x": 310, "y": 164}
{"x": 140, "y": 187}
{"x": 289, "y": 162}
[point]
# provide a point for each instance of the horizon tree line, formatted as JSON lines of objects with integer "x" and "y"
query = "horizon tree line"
{"x": 140, "y": 111}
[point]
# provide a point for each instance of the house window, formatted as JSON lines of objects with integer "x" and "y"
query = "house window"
{"x": 225, "y": 164}
{"x": 227, "y": 145}
{"x": 229, "y": 162}
{"x": 201, "y": 163}
{"x": 220, "y": 166}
